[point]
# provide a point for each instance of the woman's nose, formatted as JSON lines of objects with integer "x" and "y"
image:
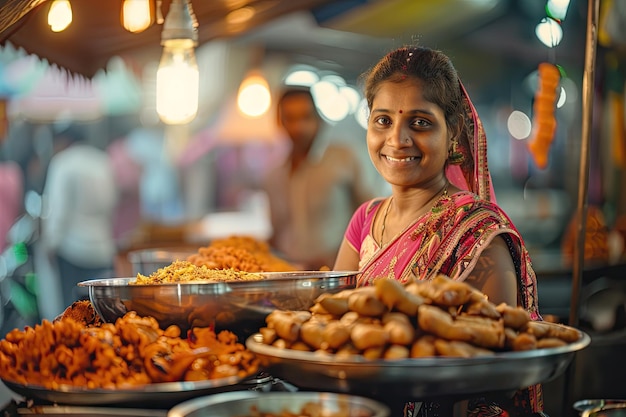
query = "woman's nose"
{"x": 399, "y": 136}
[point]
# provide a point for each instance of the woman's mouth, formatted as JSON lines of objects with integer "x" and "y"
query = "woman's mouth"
{"x": 406, "y": 159}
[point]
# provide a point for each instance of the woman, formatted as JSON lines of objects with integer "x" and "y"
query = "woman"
{"x": 425, "y": 139}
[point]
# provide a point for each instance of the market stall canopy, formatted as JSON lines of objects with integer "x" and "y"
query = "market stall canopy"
{"x": 96, "y": 33}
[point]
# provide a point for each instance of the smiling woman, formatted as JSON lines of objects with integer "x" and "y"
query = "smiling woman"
{"x": 425, "y": 139}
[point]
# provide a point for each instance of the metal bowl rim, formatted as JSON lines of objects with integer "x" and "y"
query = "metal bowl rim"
{"x": 269, "y": 277}
{"x": 158, "y": 387}
{"x": 593, "y": 403}
{"x": 185, "y": 408}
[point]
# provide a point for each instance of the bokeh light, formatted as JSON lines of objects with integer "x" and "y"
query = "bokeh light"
{"x": 549, "y": 32}
{"x": 519, "y": 125}
{"x": 254, "y": 98}
{"x": 332, "y": 105}
{"x": 305, "y": 78}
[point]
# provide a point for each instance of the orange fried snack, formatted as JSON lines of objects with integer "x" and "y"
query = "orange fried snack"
{"x": 83, "y": 312}
{"x": 240, "y": 253}
{"x": 130, "y": 352}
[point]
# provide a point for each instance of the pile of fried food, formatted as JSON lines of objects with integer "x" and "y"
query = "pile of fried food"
{"x": 389, "y": 320}
{"x": 240, "y": 253}
{"x": 185, "y": 271}
{"x": 131, "y": 352}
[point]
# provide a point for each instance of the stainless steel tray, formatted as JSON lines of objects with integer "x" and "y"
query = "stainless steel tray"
{"x": 242, "y": 403}
{"x": 162, "y": 395}
{"x": 84, "y": 411}
{"x": 414, "y": 379}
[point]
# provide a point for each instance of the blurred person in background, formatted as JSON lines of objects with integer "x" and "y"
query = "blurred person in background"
{"x": 313, "y": 194}
{"x": 81, "y": 196}
{"x": 12, "y": 192}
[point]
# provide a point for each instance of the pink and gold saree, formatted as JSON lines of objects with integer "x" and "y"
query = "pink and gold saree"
{"x": 450, "y": 237}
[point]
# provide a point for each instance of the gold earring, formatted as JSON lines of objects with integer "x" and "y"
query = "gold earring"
{"x": 454, "y": 156}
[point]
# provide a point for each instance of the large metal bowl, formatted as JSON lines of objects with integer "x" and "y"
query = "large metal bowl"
{"x": 243, "y": 404}
{"x": 239, "y": 306}
{"x": 421, "y": 378}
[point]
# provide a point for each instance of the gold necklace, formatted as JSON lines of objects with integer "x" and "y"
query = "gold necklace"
{"x": 382, "y": 227}
{"x": 442, "y": 194}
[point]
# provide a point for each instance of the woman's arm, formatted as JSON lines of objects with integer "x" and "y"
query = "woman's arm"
{"x": 347, "y": 257}
{"x": 494, "y": 274}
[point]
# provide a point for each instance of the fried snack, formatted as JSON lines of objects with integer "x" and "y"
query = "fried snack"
{"x": 394, "y": 296}
{"x": 456, "y": 348}
{"x": 287, "y": 323}
{"x": 336, "y": 334}
{"x": 480, "y": 331}
{"x": 396, "y": 352}
{"x": 391, "y": 321}
{"x": 365, "y": 336}
{"x": 399, "y": 328}
{"x": 365, "y": 302}
{"x": 482, "y": 307}
{"x": 312, "y": 333}
{"x": 240, "y": 253}
{"x": 542, "y": 329}
{"x": 183, "y": 271}
{"x": 524, "y": 341}
{"x": 423, "y": 347}
{"x": 514, "y": 317}
{"x": 550, "y": 342}
{"x": 445, "y": 292}
{"x": 336, "y": 304}
{"x": 81, "y": 311}
{"x": 130, "y": 352}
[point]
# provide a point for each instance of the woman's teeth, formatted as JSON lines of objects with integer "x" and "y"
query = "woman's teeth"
{"x": 407, "y": 159}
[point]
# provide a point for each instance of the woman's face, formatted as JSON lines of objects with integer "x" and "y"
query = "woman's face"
{"x": 407, "y": 136}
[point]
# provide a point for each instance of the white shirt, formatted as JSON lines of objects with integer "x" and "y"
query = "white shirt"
{"x": 311, "y": 207}
{"x": 81, "y": 196}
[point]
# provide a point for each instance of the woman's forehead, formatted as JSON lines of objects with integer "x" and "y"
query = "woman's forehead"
{"x": 406, "y": 92}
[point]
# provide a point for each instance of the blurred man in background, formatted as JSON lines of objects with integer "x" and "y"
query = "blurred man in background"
{"x": 81, "y": 196}
{"x": 313, "y": 194}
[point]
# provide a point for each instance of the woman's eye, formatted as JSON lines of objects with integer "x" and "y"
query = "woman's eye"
{"x": 421, "y": 123}
{"x": 382, "y": 121}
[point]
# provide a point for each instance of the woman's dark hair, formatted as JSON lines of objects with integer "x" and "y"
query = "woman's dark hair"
{"x": 440, "y": 80}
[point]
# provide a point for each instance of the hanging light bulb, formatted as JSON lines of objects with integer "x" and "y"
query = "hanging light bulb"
{"x": 60, "y": 15}
{"x": 177, "y": 76}
{"x": 137, "y": 15}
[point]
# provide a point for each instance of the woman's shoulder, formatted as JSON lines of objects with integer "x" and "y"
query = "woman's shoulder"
{"x": 367, "y": 209}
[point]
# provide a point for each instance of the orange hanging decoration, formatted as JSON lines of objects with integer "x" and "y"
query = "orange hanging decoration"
{"x": 544, "y": 121}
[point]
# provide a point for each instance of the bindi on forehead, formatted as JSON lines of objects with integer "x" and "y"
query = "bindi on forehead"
{"x": 400, "y": 111}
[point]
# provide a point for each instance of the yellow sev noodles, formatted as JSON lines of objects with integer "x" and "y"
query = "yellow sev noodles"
{"x": 184, "y": 271}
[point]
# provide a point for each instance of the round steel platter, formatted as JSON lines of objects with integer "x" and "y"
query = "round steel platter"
{"x": 415, "y": 379}
{"x": 161, "y": 395}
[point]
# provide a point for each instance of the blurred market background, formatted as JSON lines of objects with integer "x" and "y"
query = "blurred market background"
{"x": 182, "y": 185}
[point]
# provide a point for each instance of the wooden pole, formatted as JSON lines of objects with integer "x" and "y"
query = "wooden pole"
{"x": 588, "y": 87}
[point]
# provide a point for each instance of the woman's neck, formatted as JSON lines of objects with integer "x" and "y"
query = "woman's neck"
{"x": 409, "y": 201}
